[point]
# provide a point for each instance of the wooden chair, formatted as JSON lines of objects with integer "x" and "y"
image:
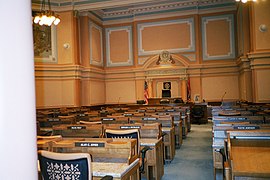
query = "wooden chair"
{"x": 130, "y": 134}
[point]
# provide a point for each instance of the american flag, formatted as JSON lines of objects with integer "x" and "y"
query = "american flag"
{"x": 146, "y": 95}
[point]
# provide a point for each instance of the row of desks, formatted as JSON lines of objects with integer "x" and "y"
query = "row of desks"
{"x": 115, "y": 151}
{"x": 244, "y": 142}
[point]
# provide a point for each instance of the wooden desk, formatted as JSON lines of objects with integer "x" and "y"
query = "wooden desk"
{"x": 119, "y": 171}
{"x": 169, "y": 143}
{"x": 155, "y": 165}
{"x": 101, "y": 149}
{"x": 178, "y": 134}
{"x": 250, "y": 158}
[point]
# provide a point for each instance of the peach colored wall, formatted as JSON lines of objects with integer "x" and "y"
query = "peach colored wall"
{"x": 243, "y": 27}
{"x": 139, "y": 89}
{"x": 120, "y": 91}
{"x": 245, "y": 86}
{"x": 119, "y": 46}
{"x": 65, "y": 34}
{"x": 263, "y": 85}
{"x": 96, "y": 41}
{"x": 195, "y": 87}
{"x": 53, "y": 93}
{"x": 84, "y": 40}
{"x": 208, "y": 79}
{"x": 261, "y": 16}
{"x": 85, "y": 92}
{"x": 213, "y": 88}
{"x": 166, "y": 37}
{"x": 93, "y": 92}
{"x": 218, "y": 37}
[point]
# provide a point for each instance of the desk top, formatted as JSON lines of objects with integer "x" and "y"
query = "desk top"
{"x": 251, "y": 161}
{"x": 117, "y": 170}
{"x": 149, "y": 142}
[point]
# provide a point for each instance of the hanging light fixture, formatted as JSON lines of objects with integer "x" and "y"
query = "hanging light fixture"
{"x": 46, "y": 17}
{"x": 244, "y": 1}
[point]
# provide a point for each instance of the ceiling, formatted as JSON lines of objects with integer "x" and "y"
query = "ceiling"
{"x": 108, "y": 10}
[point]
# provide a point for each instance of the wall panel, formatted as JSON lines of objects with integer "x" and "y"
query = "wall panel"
{"x": 119, "y": 46}
{"x": 263, "y": 85}
{"x": 213, "y": 88}
{"x": 174, "y": 36}
{"x": 218, "y": 37}
{"x": 53, "y": 93}
{"x": 120, "y": 91}
{"x": 96, "y": 48}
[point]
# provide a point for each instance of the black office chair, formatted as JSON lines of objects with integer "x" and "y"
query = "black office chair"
{"x": 131, "y": 134}
{"x": 197, "y": 113}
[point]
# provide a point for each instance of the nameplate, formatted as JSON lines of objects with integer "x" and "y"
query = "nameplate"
{"x": 128, "y": 114}
{"x": 140, "y": 110}
{"x": 237, "y": 118}
{"x": 53, "y": 119}
{"x": 246, "y": 127}
{"x": 108, "y": 119}
{"x": 130, "y": 127}
{"x": 76, "y": 127}
{"x": 149, "y": 119}
{"x": 170, "y": 110}
{"x": 81, "y": 115}
{"x": 89, "y": 144}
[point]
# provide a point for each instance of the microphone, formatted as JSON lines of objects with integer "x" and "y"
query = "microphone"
{"x": 223, "y": 96}
{"x": 119, "y": 100}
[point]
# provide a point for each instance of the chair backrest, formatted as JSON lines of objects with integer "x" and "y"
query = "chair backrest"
{"x": 124, "y": 133}
{"x": 197, "y": 111}
{"x": 65, "y": 165}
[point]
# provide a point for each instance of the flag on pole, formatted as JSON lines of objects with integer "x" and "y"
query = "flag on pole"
{"x": 188, "y": 90}
{"x": 146, "y": 95}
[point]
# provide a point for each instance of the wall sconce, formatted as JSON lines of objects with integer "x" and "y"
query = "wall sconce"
{"x": 66, "y": 45}
{"x": 263, "y": 28}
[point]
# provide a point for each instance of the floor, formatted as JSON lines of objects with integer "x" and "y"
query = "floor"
{"x": 194, "y": 160}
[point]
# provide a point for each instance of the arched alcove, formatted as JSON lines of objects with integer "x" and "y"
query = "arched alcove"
{"x": 173, "y": 71}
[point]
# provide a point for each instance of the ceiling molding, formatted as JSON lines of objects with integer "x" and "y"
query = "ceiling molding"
{"x": 110, "y": 11}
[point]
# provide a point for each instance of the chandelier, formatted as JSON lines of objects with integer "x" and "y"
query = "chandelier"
{"x": 46, "y": 17}
{"x": 244, "y": 1}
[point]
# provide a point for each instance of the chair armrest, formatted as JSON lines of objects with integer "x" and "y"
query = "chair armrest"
{"x": 163, "y": 134}
{"x": 143, "y": 152}
{"x": 107, "y": 178}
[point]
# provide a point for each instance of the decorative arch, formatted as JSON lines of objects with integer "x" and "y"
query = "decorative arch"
{"x": 174, "y": 71}
{"x": 180, "y": 62}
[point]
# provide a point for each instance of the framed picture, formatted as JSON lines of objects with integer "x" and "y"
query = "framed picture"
{"x": 45, "y": 43}
{"x": 197, "y": 98}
